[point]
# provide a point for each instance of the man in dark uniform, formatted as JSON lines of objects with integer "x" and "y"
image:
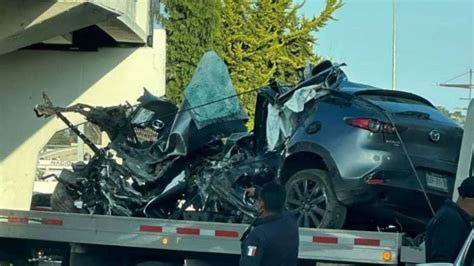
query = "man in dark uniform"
{"x": 449, "y": 229}
{"x": 273, "y": 238}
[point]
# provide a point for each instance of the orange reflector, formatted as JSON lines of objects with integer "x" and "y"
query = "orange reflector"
{"x": 387, "y": 255}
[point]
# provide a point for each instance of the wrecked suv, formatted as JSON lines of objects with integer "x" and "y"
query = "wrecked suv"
{"x": 347, "y": 153}
{"x": 377, "y": 158}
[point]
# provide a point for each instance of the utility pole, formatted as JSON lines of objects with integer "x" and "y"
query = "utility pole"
{"x": 394, "y": 46}
{"x": 468, "y": 86}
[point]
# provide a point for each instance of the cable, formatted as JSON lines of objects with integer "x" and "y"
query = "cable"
{"x": 405, "y": 151}
{"x": 334, "y": 69}
{"x": 455, "y": 78}
{"x": 209, "y": 103}
{"x": 411, "y": 163}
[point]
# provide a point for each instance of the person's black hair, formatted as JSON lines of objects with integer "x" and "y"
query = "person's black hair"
{"x": 466, "y": 189}
{"x": 273, "y": 196}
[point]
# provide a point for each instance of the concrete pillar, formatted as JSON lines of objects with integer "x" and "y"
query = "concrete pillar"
{"x": 108, "y": 77}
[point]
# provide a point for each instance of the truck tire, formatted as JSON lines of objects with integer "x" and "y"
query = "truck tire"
{"x": 41, "y": 200}
{"x": 311, "y": 197}
{"x": 61, "y": 200}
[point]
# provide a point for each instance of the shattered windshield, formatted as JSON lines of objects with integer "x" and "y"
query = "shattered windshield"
{"x": 211, "y": 95}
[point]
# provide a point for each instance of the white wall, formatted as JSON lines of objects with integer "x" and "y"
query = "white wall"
{"x": 107, "y": 77}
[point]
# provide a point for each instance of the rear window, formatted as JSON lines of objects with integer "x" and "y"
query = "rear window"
{"x": 407, "y": 107}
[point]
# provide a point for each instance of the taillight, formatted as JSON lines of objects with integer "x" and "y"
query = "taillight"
{"x": 372, "y": 125}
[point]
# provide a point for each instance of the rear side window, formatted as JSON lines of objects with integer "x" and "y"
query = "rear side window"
{"x": 409, "y": 107}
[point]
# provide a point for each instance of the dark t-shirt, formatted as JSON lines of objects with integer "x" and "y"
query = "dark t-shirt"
{"x": 273, "y": 241}
{"x": 446, "y": 233}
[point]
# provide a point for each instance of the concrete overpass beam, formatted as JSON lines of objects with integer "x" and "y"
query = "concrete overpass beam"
{"x": 58, "y": 19}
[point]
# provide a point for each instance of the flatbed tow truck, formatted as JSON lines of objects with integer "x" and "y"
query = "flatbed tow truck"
{"x": 47, "y": 238}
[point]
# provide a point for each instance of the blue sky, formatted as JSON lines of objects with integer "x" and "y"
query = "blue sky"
{"x": 435, "y": 43}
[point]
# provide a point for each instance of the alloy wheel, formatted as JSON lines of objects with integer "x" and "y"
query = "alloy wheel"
{"x": 307, "y": 199}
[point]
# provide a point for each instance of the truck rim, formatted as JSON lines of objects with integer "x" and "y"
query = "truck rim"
{"x": 307, "y": 199}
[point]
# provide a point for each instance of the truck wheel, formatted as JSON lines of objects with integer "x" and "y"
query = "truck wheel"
{"x": 41, "y": 200}
{"x": 310, "y": 196}
{"x": 61, "y": 200}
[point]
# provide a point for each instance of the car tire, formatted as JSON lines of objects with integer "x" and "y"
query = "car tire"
{"x": 311, "y": 198}
{"x": 61, "y": 200}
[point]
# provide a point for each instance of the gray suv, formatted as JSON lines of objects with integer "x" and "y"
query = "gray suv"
{"x": 353, "y": 159}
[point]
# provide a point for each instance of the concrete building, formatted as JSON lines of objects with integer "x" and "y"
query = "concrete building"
{"x": 100, "y": 52}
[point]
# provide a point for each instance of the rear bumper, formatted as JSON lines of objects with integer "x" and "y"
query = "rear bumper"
{"x": 401, "y": 190}
{"x": 391, "y": 203}
{"x": 394, "y": 169}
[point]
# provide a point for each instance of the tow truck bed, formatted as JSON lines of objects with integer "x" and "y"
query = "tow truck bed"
{"x": 190, "y": 236}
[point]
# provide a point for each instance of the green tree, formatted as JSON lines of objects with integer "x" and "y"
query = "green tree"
{"x": 192, "y": 28}
{"x": 268, "y": 39}
{"x": 259, "y": 40}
